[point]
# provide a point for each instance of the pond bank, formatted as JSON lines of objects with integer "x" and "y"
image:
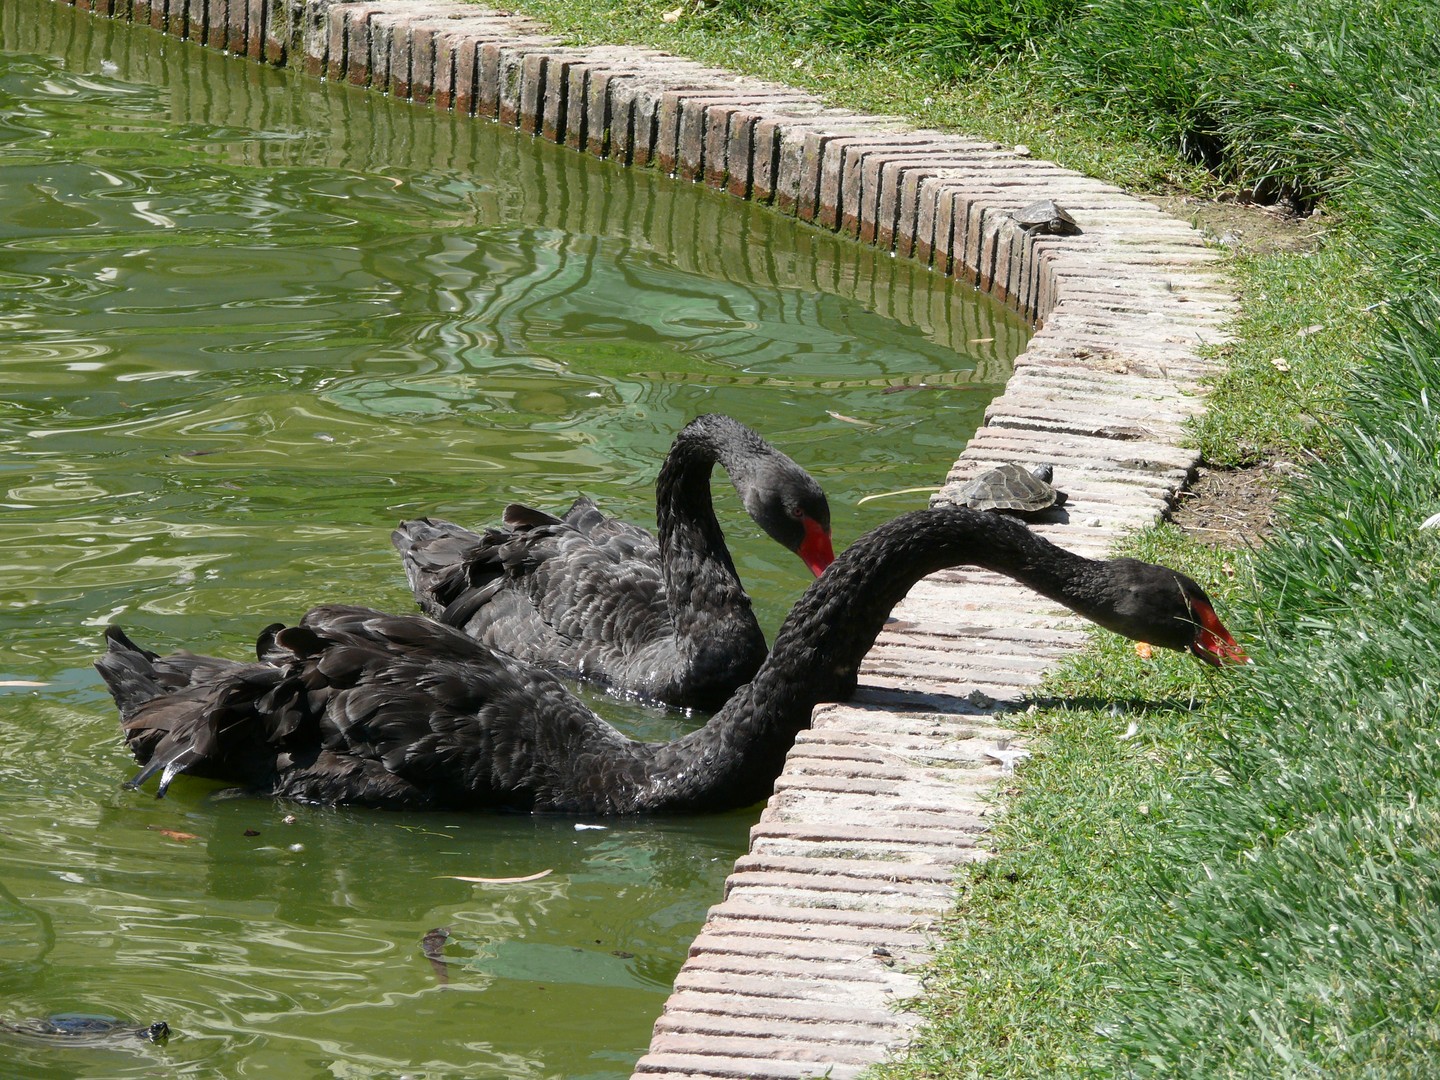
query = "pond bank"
{"x": 798, "y": 967}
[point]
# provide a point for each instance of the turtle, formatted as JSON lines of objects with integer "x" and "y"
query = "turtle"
{"x": 86, "y": 1029}
{"x": 1012, "y": 489}
{"x": 1046, "y": 217}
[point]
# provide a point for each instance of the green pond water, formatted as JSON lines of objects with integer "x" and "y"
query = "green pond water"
{"x": 250, "y": 321}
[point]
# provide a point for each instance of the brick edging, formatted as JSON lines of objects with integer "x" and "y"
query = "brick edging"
{"x": 798, "y": 969}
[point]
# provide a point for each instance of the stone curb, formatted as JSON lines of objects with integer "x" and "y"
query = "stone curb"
{"x": 798, "y": 970}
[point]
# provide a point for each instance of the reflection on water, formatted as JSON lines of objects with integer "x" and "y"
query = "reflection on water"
{"x": 251, "y": 321}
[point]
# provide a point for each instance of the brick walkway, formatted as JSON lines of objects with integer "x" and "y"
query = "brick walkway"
{"x": 798, "y": 969}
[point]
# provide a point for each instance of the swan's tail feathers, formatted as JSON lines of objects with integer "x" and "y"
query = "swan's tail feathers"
{"x": 168, "y": 771}
{"x": 437, "y": 556}
{"x": 137, "y": 676}
{"x": 519, "y": 516}
{"x": 142, "y": 684}
{"x": 136, "y": 782}
{"x": 233, "y": 726}
{"x": 417, "y": 536}
{"x": 117, "y": 641}
{"x": 173, "y": 768}
{"x": 267, "y": 649}
{"x": 129, "y": 671}
{"x": 203, "y": 715}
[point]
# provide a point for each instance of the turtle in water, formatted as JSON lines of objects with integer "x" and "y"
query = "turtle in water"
{"x": 1047, "y": 217}
{"x": 1012, "y": 489}
{"x": 87, "y": 1029}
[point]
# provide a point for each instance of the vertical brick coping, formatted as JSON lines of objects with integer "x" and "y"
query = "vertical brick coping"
{"x": 798, "y": 971}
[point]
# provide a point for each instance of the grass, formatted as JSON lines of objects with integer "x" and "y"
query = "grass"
{"x": 1304, "y": 321}
{"x": 778, "y": 41}
{"x": 1295, "y": 930}
{"x": 1025, "y": 984}
{"x": 1231, "y": 874}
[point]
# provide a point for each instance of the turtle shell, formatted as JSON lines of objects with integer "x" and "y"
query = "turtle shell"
{"x": 1048, "y": 217}
{"x": 1012, "y": 489}
{"x": 89, "y": 1029}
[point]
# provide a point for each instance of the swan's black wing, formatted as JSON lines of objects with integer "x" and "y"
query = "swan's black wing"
{"x": 395, "y": 711}
{"x": 583, "y": 594}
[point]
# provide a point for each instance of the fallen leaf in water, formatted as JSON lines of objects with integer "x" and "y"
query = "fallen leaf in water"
{"x": 173, "y": 834}
{"x": 252, "y": 832}
{"x": 849, "y": 419}
{"x": 1143, "y": 650}
{"x": 980, "y": 341}
{"x": 499, "y": 880}
{"x": 21, "y": 682}
{"x": 581, "y": 826}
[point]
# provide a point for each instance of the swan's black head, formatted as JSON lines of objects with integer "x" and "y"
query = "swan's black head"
{"x": 1163, "y": 607}
{"x": 786, "y": 501}
{"x": 791, "y": 507}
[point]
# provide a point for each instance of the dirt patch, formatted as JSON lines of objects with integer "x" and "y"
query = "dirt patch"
{"x": 1247, "y": 227}
{"x": 1233, "y": 508}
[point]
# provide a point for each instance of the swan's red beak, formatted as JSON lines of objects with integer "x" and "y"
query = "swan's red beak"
{"x": 815, "y": 550}
{"x": 1213, "y": 643}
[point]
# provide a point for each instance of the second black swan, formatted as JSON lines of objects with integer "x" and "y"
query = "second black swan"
{"x": 353, "y": 706}
{"x": 662, "y": 618}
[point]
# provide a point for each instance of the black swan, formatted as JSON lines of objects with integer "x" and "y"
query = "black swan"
{"x": 353, "y": 706}
{"x": 598, "y": 599}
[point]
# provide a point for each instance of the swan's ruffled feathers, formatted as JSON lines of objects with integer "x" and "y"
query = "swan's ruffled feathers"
{"x": 382, "y": 710}
{"x": 582, "y": 593}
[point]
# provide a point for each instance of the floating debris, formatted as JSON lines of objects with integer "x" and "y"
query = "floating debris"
{"x": 898, "y": 491}
{"x": 173, "y": 834}
{"x": 498, "y": 880}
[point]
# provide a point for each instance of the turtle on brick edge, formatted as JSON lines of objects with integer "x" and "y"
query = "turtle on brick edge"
{"x": 1012, "y": 489}
{"x": 1047, "y": 217}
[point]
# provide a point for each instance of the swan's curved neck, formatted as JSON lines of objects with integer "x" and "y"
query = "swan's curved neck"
{"x": 694, "y": 559}
{"x": 733, "y": 760}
